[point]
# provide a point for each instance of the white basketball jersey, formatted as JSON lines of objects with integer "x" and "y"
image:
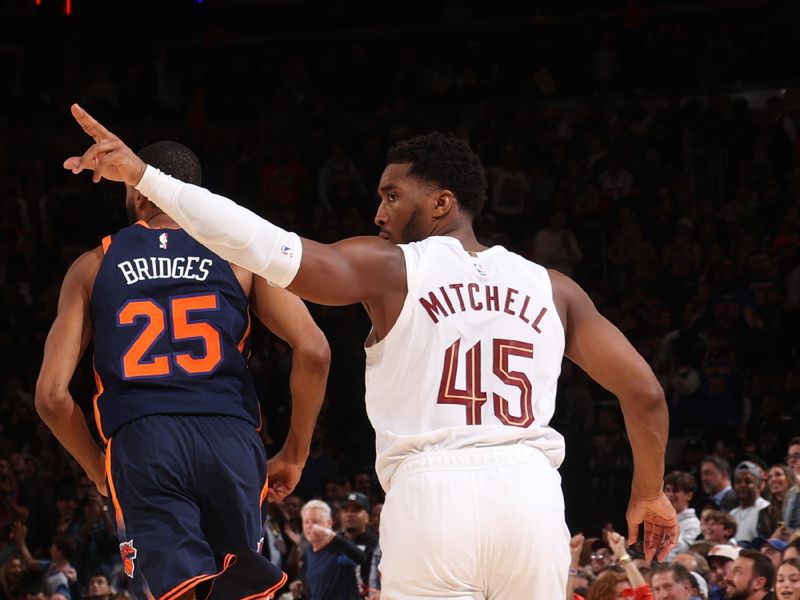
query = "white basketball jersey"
{"x": 473, "y": 359}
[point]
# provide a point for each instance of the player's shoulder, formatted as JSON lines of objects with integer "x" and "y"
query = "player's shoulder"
{"x": 88, "y": 261}
{"x": 83, "y": 270}
{"x": 369, "y": 248}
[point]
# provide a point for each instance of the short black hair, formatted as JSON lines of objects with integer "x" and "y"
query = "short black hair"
{"x": 66, "y": 545}
{"x": 762, "y": 566}
{"x": 99, "y": 573}
{"x": 173, "y": 159}
{"x": 447, "y": 161}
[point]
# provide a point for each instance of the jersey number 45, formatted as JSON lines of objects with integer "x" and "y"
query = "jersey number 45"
{"x": 472, "y": 395}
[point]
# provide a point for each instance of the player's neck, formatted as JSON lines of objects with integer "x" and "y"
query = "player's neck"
{"x": 159, "y": 221}
{"x": 464, "y": 234}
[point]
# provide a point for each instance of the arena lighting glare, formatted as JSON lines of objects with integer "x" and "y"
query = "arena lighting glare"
{"x": 66, "y": 8}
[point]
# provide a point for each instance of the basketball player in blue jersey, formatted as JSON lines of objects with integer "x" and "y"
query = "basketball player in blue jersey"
{"x": 175, "y": 405}
{"x": 461, "y": 372}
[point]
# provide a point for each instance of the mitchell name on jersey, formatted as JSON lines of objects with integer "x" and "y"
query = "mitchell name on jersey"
{"x": 464, "y": 297}
{"x": 160, "y": 267}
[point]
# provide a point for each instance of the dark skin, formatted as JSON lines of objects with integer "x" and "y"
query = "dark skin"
{"x": 371, "y": 270}
{"x": 281, "y": 312}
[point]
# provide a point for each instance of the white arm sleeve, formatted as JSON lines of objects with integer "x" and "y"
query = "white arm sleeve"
{"x": 231, "y": 231}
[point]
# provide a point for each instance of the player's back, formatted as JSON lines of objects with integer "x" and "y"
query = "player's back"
{"x": 171, "y": 330}
{"x": 473, "y": 359}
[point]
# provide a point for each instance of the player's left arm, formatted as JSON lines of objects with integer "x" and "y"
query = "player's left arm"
{"x": 66, "y": 342}
{"x": 286, "y": 316}
{"x": 603, "y": 352}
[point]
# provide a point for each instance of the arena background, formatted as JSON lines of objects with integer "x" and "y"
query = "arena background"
{"x": 647, "y": 130}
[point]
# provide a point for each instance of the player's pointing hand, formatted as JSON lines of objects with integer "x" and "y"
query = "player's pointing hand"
{"x": 108, "y": 157}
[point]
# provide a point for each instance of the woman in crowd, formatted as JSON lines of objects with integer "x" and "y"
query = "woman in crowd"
{"x": 12, "y": 580}
{"x": 787, "y": 581}
{"x": 780, "y": 480}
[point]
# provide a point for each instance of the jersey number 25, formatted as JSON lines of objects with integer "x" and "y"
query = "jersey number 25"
{"x": 134, "y": 361}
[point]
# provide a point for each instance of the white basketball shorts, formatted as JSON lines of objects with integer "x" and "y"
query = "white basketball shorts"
{"x": 480, "y": 523}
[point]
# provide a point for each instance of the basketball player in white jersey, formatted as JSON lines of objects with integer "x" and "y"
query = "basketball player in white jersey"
{"x": 462, "y": 365}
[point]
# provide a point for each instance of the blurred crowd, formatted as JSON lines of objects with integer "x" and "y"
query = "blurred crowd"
{"x": 672, "y": 196}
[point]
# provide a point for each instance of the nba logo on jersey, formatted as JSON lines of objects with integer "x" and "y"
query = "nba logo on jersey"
{"x": 286, "y": 250}
{"x": 162, "y": 241}
{"x": 128, "y": 554}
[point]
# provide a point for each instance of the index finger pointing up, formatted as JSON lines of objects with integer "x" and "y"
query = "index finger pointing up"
{"x": 90, "y": 125}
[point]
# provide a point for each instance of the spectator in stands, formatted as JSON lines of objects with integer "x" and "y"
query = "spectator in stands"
{"x": 793, "y": 456}
{"x": 793, "y": 549}
{"x": 59, "y": 576}
{"x": 35, "y": 591}
{"x": 99, "y": 588}
{"x": 555, "y": 246}
{"x": 694, "y": 563}
{"x": 331, "y": 560}
{"x": 13, "y": 575}
{"x": 750, "y": 578}
{"x": 97, "y": 536}
{"x": 509, "y": 191}
{"x": 791, "y": 503}
{"x": 787, "y": 580}
{"x": 772, "y": 548}
{"x": 355, "y": 522}
{"x": 781, "y": 492}
{"x": 680, "y": 488}
{"x": 720, "y": 560}
{"x": 616, "y": 181}
{"x": 748, "y": 482}
{"x": 637, "y": 588}
{"x": 67, "y": 517}
{"x": 718, "y": 527}
{"x": 10, "y": 509}
{"x": 671, "y": 582}
{"x": 716, "y": 480}
{"x": 340, "y": 184}
{"x": 601, "y": 556}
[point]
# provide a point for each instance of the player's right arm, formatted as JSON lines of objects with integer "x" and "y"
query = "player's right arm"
{"x": 286, "y": 316}
{"x": 355, "y": 270}
{"x": 66, "y": 342}
{"x": 600, "y": 349}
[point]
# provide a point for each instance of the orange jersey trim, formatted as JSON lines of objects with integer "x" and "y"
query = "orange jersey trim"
{"x": 106, "y": 243}
{"x": 97, "y": 420}
{"x": 143, "y": 223}
{"x": 264, "y": 491}
{"x": 112, "y": 490}
{"x": 182, "y": 588}
{"x": 246, "y": 335}
{"x": 269, "y": 592}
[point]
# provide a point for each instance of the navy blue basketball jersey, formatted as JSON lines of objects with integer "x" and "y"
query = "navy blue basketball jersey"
{"x": 171, "y": 331}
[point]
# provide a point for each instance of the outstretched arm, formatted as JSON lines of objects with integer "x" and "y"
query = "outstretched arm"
{"x": 600, "y": 349}
{"x": 287, "y": 317}
{"x": 68, "y": 337}
{"x": 355, "y": 270}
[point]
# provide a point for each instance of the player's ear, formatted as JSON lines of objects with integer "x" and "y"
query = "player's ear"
{"x": 445, "y": 202}
{"x": 140, "y": 202}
